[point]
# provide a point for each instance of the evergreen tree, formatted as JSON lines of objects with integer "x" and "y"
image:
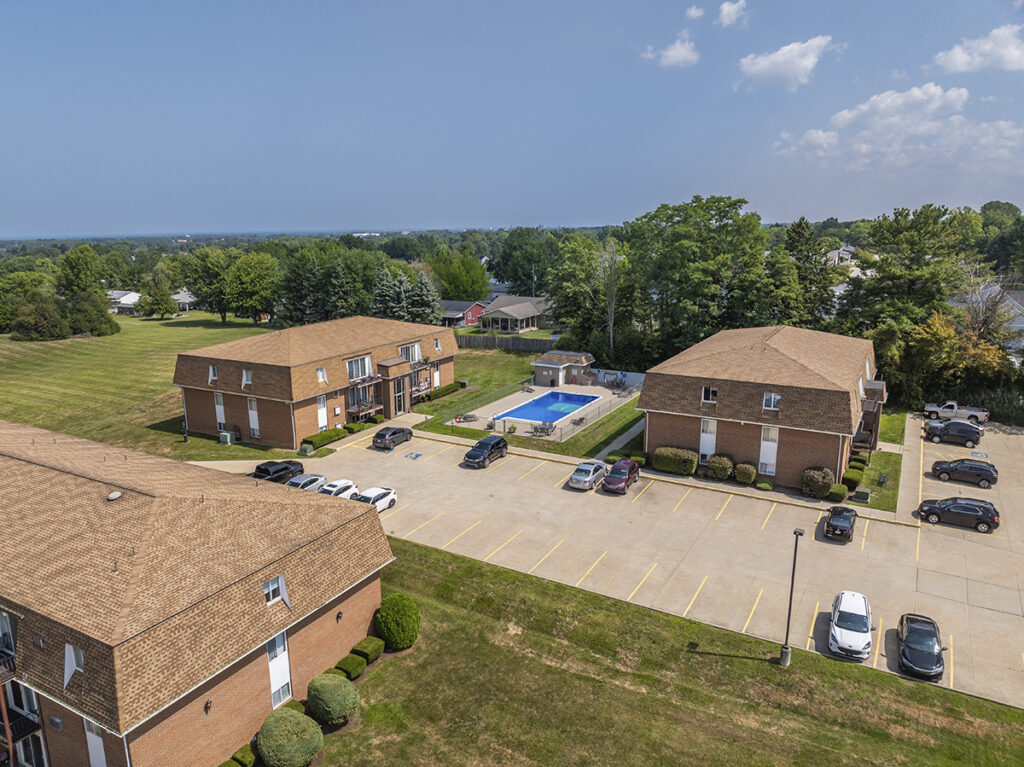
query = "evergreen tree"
{"x": 813, "y": 272}
{"x": 423, "y": 305}
{"x": 386, "y": 296}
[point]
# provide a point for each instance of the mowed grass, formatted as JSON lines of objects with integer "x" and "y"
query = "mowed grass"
{"x": 117, "y": 389}
{"x": 893, "y": 426}
{"x": 485, "y": 370}
{"x": 885, "y": 496}
{"x": 510, "y": 669}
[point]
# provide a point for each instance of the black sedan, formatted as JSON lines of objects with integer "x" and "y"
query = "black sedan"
{"x": 920, "y": 646}
{"x": 966, "y": 512}
{"x": 391, "y": 436}
{"x": 981, "y": 473}
{"x": 839, "y": 522}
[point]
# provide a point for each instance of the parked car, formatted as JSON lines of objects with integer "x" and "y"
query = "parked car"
{"x": 967, "y": 512}
{"x": 381, "y": 497}
{"x": 920, "y": 646}
{"x": 391, "y": 436}
{"x": 622, "y": 474}
{"x": 959, "y": 432}
{"x": 588, "y": 475}
{"x": 311, "y": 482}
{"x": 839, "y": 522}
{"x": 981, "y": 473}
{"x": 340, "y": 488}
{"x": 486, "y": 450}
{"x": 951, "y": 409}
{"x": 849, "y": 631}
{"x": 277, "y": 471}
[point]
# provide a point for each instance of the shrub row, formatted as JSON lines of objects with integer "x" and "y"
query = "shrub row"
{"x": 370, "y": 648}
{"x": 352, "y": 666}
{"x": 640, "y": 458}
{"x": 852, "y": 478}
{"x": 681, "y": 460}
{"x": 675, "y": 460}
{"x": 443, "y": 391}
{"x": 325, "y": 437}
{"x": 838, "y": 492}
{"x": 352, "y": 428}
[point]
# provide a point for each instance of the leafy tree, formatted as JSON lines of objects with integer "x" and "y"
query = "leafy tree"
{"x": 350, "y": 281}
{"x": 524, "y": 260}
{"x": 403, "y": 248}
{"x": 14, "y": 287}
{"x": 460, "y": 275}
{"x": 79, "y": 271}
{"x": 575, "y": 287}
{"x": 999, "y": 216}
{"x": 89, "y": 313}
{"x": 253, "y": 285}
{"x": 157, "y": 300}
{"x": 422, "y": 302}
{"x": 39, "y": 318}
{"x": 206, "y": 276}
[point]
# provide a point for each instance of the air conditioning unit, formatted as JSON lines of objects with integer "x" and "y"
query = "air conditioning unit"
{"x": 227, "y": 438}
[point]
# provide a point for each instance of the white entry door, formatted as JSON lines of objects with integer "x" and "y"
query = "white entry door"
{"x": 280, "y": 672}
{"x": 437, "y": 375}
{"x": 321, "y": 412}
{"x": 218, "y": 407}
{"x": 769, "y": 450}
{"x": 708, "y": 435}
{"x": 94, "y": 742}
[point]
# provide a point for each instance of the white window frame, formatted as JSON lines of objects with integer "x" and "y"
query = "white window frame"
{"x": 714, "y": 395}
{"x": 286, "y": 695}
{"x": 246, "y": 377}
{"x": 74, "y": 660}
{"x": 364, "y": 363}
{"x": 275, "y": 584}
{"x": 414, "y": 353}
{"x": 321, "y": 375}
{"x": 769, "y": 434}
{"x": 437, "y": 344}
{"x": 707, "y": 426}
{"x": 213, "y": 374}
{"x": 218, "y": 411}
{"x": 860, "y": 385}
{"x": 777, "y": 400}
{"x": 254, "y": 418}
{"x": 867, "y": 368}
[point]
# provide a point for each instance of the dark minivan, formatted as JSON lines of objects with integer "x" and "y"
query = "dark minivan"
{"x": 957, "y": 432}
{"x": 981, "y": 473}
{"x": 277, "y": 471}
{"x": 391, "y": 436}
{"x": 486, "y": 450}
{"x": 966, "y": 512}
{"x": 623, "y": 473}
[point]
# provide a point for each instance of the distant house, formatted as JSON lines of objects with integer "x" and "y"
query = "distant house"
{"x": 841, "y": 256}
{"x": 460, "y": 313}
{"x": 184, "y": 300}
{"x": 123, "y": 301}
{"x": 557, "y": 368}
{"x": 514, "y": 314}
{"x": 1011, "y": 301}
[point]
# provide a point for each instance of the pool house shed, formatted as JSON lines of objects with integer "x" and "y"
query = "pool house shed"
{"x": 557, "y": 368}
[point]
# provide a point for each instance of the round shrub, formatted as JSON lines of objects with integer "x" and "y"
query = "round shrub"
{"x": 746, "y": 473}
{"x": 852, "y": 478}
{"x": 763, "y": 484}
{"x": 817, "y": 481}
{"x": 838, "y": 492}
{"x": 675, "y": 460}
{"x": 288, "y": 739}
{"x": 331, "y": 699}
{"x": 720, "y": 466}
{"x": 397, "y": 621}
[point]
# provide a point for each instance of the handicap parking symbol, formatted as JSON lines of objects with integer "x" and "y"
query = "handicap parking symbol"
{"x": 976, "y": 454}
{"x": 413, "y": 456}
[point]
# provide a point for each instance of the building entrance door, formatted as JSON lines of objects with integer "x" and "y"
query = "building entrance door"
{"x": 399, "y": 395}
{"x": 280, "y": 671}
{"x": 437, "y": 375}
{"x": 94, "y": 743}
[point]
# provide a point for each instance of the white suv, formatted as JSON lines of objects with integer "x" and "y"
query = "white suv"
{"x": 849, "y": 631}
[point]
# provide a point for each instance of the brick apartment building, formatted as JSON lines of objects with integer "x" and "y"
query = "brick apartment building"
{"x": 781, "y": 398}
{"x": 152, "y": 613}
{"x": 277, "y": 388}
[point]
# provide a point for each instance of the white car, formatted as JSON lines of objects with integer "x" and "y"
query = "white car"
{"x": 381, "y": 497}
{"x": 849, "y": 631}
{"x": 312, "y": 482}
{"x": 340, "y": 488}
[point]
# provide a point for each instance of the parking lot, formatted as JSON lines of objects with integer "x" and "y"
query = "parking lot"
{"x": 724, "y": 558}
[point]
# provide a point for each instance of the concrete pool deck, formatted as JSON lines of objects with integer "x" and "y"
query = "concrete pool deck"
{"x": 605, "y": 402}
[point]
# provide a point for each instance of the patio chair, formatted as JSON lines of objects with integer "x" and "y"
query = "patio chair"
{"x": 579, "y": 421}
{"x": 527, "y": 388}
{"x": 469, "y": 417}
{"x": 882, "y": 479}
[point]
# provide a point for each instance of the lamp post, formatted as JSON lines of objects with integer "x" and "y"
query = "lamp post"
{"x": 784, "y": 656}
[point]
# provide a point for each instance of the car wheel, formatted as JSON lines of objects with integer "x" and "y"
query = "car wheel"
{"x": 983, "y": 527}
{"x": 933, "y": 518}
{"x": 969, "y": 443}
{"x": 936, "y": 439}
{"x": 487, "y": 462}
{"x": 944, "y": 476}
{"x": 391, "y": 503}
{"x": 504, "y": 452}
{"x": 933, "y": 416}
{"x": 972, "y": 418}
{"x": 984, "y": 484}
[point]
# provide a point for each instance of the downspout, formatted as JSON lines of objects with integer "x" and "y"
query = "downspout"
{"x": 291, "y": 410}
{"x": 645, "y": 432}
{"x": 184, "y": 407}
{"x": 127, "y": 756}
{"x": 839, "y": 457}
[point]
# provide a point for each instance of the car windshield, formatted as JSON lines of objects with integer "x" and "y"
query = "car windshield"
{"x": 582, "y": 472}
{"x": 852, "y": 622}
{"x": 925, "y": 641}
{"x": 842, "y": 521}
{"x": 362, "y": 498}
{"x": 618, "y": 471}
{"x": 482, "y": 446}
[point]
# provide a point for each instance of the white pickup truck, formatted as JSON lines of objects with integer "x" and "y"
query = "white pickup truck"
{"x": 952, "y": 410}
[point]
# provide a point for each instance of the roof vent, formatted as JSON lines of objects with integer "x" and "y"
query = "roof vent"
{"x": 113, "y": 495}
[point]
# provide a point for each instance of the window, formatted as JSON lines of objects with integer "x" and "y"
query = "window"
{"x": 218, "y": 408}
{"x": 337, "y": 409}
{"x": 709, "y": 395}
{"x": 246, "y": 378}
{"x": 437, "y": 344}
{"x": 708, "y": 426}
{"x": 277, "y": 646}
{"x": 358, "y": 396}
{"x": 860, "y": 385}
{"x": 358, "y": 368}
{"x": 74, "y": 660}
{"x": 410, "y": 353}
{"x": 282, "y": 693}
{"x": 6, "y": 633}
{"x": 867, "y": 369}
{"x": 321, "y": 375}
{"x": 771, "y": 401}
{"x": 272, "y": 589}
{"x": 213, "y": 374}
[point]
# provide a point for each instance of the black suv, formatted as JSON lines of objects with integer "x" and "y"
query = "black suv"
{"x": 839, "y": 522}
{"x": 391, "y": 436}
{"x": 981, "y": 473}
{"x": 967, "y": 512}
{"x": 277, "y": 471}
{"x": 959, "y": 432}
{"x": 486, "y": 450}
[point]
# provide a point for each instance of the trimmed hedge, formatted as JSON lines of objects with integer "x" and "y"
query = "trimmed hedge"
{"x": 288, "y": 739}
{"x": 245, "y": 756}
{"x": 817, "y": 481}
{"x": 746, "y": 473}
{"x": 378, "y": 418}
{"x": 675, "y": 460}
{"x": 352, "y": 665}
{"x": 325, "y": 437}
{"x": 720, "y": 466}
{"x": 838, "y": 492}
{"x": 331, "y": 699}
{"x": 858, "y": 459}
{"x": 763, "y": 484}
{"x": 397, "y": 621}
{"x": 443, "y": 391}
{"x": 228, "y": 763}
{"x": 369, "y": 649}
{"x": 338, "y": 671}
{"x": 852, "y": 478}
{"x": 352, "y": 428}
{"x": 295, "y": 705}
{"x": 640, "y": 458}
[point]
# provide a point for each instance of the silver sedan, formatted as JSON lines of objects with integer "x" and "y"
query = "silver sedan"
{"x": 588, "y": 475}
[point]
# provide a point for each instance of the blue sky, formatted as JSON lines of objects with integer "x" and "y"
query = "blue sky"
{"x": 225, "y": 116}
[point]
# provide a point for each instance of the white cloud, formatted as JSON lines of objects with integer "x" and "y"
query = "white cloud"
{"x": 1002, "y": 48}
{"x": 898, "y": 74}
{"x": 695, "y": 11}
{"x": 1018, "y": 4}
{"x": 791, "y": 65}
{"x": 730, "y": 13}
{"x": 681, "y": 53}
{"x": 919, "y": 127}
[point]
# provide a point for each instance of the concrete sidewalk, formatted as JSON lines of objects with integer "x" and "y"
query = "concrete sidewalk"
{"x": 621, "y": 440}
{"x": 911, "y": 471}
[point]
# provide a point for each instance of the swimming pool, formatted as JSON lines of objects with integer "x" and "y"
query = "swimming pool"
{"x": 551, "y": 406}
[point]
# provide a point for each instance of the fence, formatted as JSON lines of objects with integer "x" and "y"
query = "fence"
{"x": 468, "y": 406}
{"x": 567, "y": 428}
{"x": 511, "y": 343}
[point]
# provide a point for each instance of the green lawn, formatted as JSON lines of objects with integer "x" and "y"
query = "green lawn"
{"x": 510, "y": 669}
{"x": 117, "y": 389}
{"x": 894, "y": 425}
{"x": 474, "y": 331}
{"x": 883, "y": 497}
{"x": 486, "y": 370}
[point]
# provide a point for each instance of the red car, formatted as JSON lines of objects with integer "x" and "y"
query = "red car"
{"x": 623, "y": 473}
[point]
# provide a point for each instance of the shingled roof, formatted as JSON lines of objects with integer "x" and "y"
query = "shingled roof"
{"x": 171, "y": 559}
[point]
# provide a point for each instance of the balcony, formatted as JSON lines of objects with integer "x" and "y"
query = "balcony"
{"x": 22, "y": 725}
{"x": 420, "y": 389}
{"x": 369, "y": 378}
{"x": 7, "y": 666}
{"x": 366, "y": 406}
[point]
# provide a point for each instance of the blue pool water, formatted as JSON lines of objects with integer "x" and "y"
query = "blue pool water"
{"x": 552, "y": 406}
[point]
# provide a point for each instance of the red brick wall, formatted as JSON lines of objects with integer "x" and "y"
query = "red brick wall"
{"x": 185, "y": 736}
{"x": 275, "y": 417}
{"x": 67, "y": 746}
